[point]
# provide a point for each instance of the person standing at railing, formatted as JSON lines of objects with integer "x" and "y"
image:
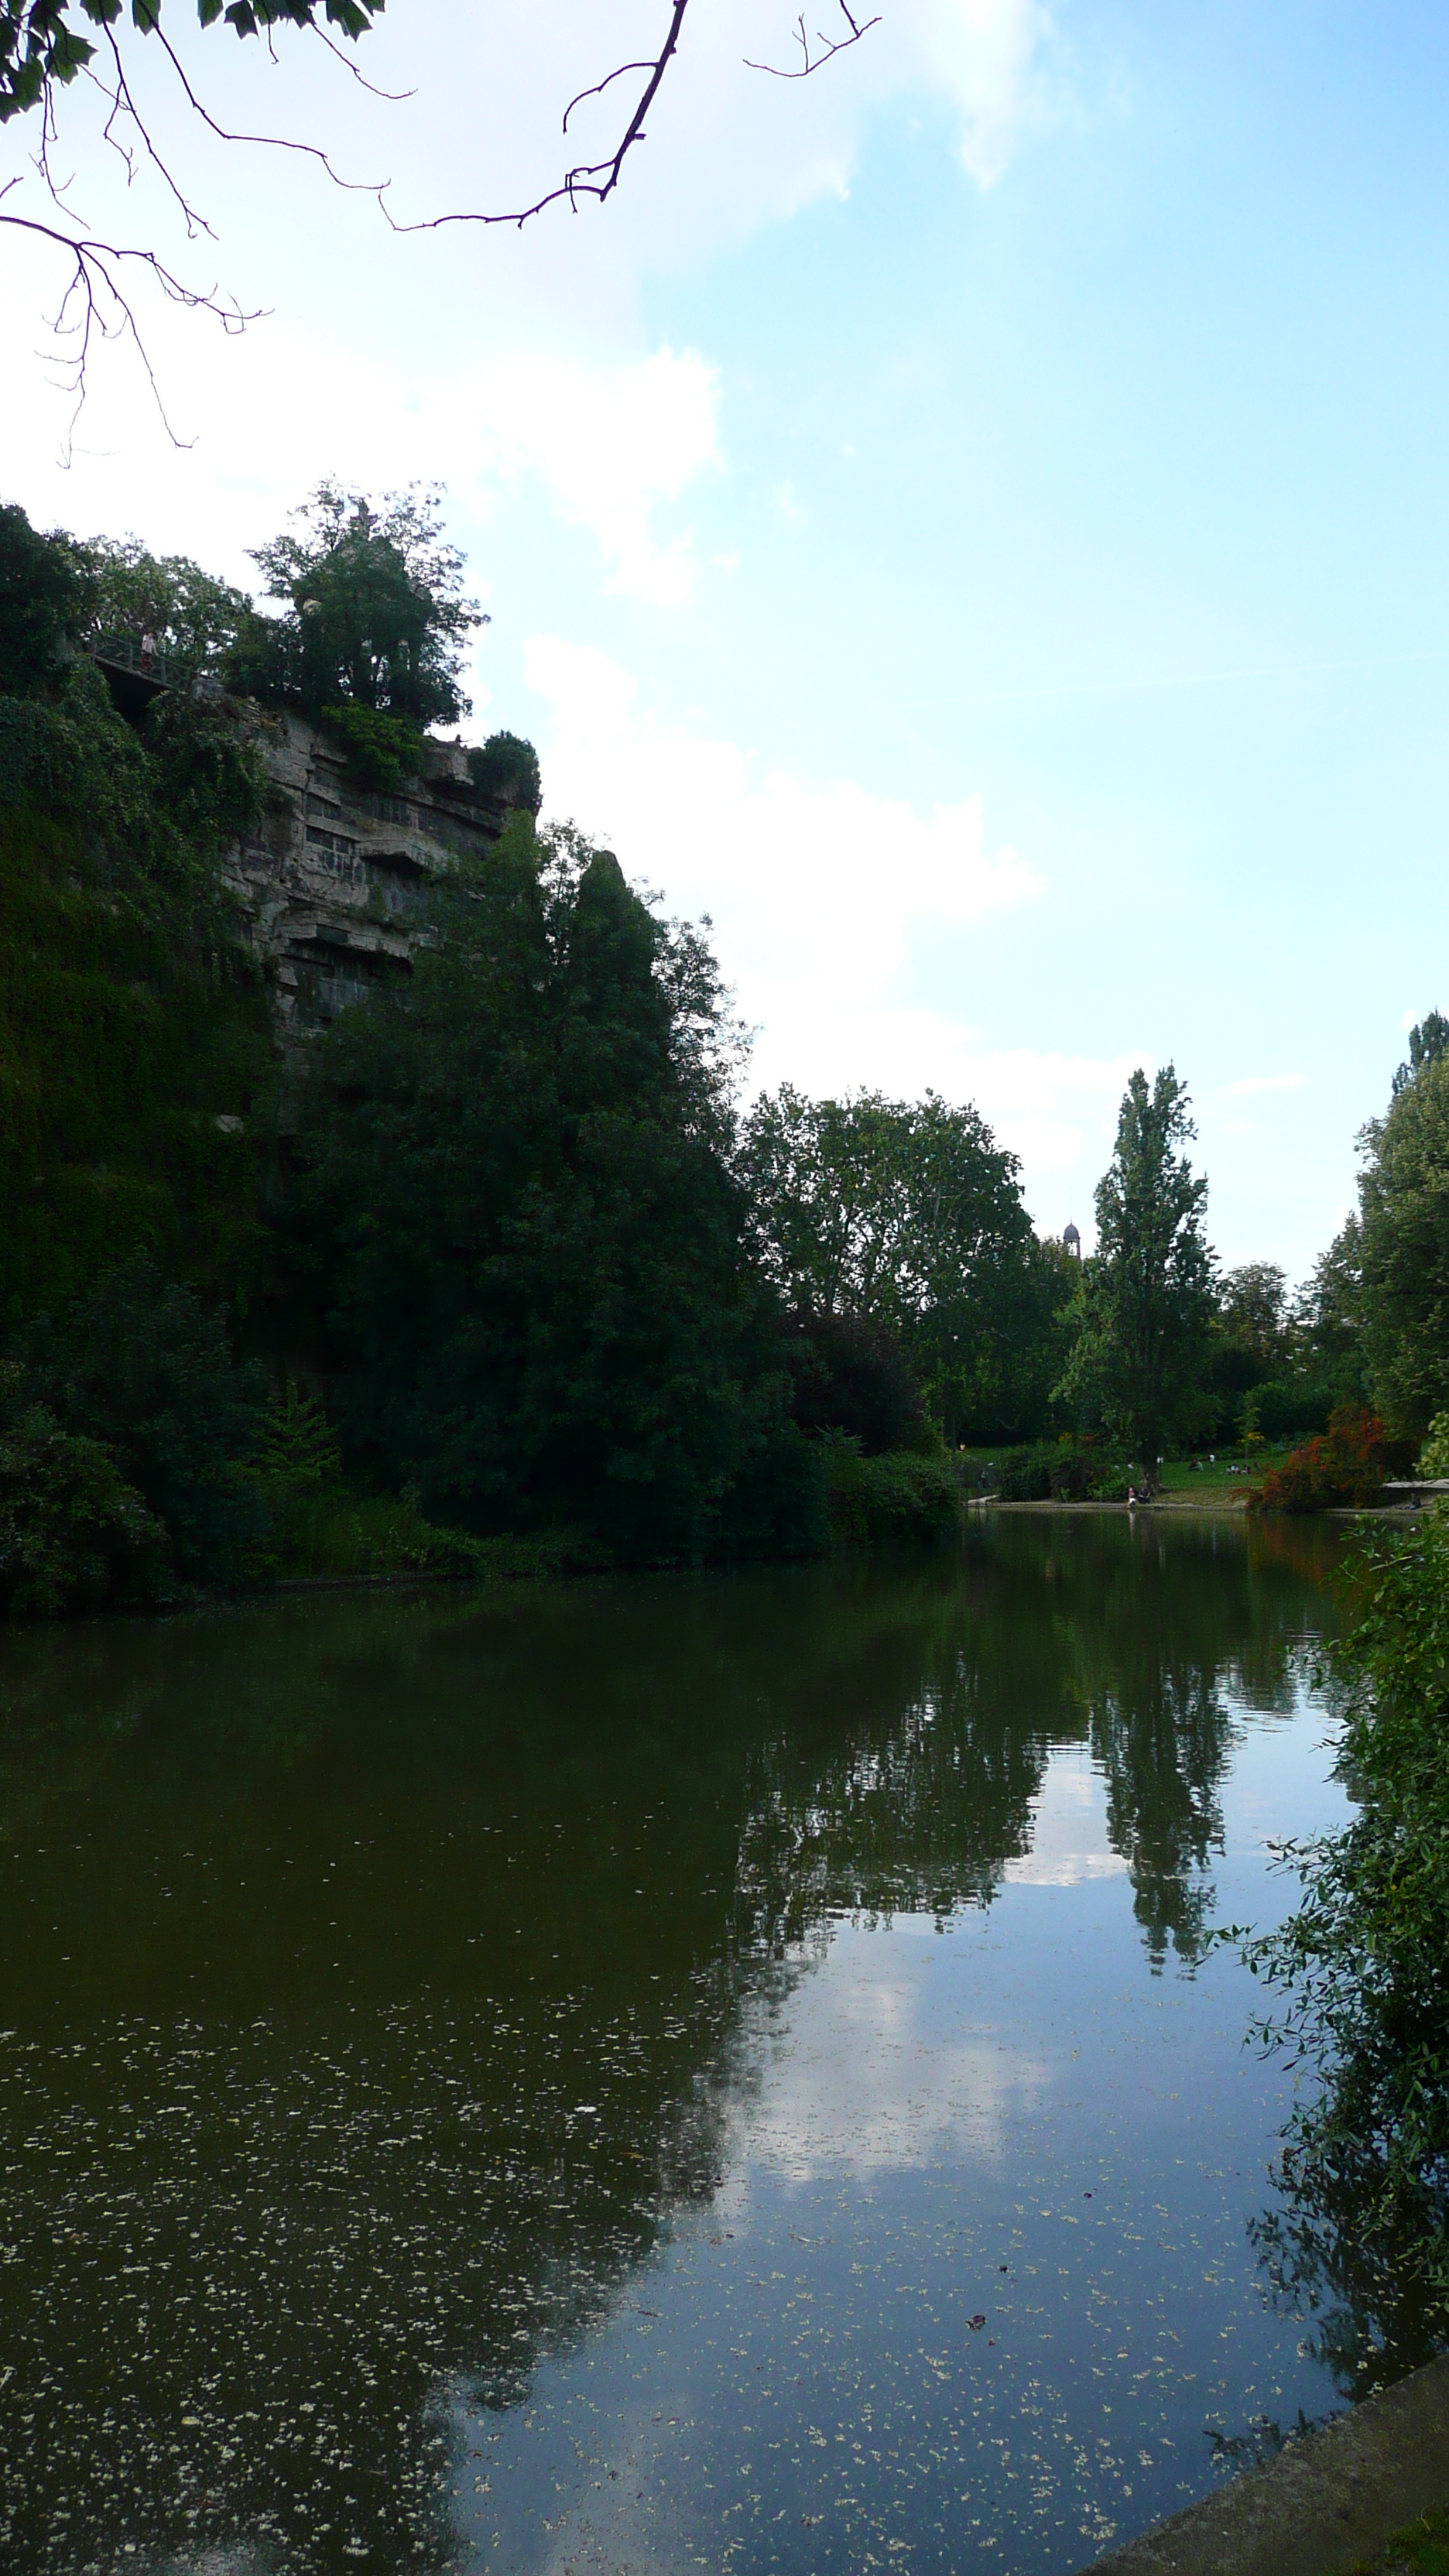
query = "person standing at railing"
{"x": 148, "y": 651}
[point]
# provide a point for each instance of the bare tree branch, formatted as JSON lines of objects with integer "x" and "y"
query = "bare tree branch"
{"x": 95, "y": 305}
{"x": 271, "y": 142}
{"x": 122, "y": 104}
{"x": 394, "y": 97}
{"x": 831, "y": 45}
{"x": 599, "y": 87}
{"x": 599, "y": 179}
{"x": 596, "y": 179}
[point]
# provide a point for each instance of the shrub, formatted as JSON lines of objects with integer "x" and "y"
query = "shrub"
{"x": 505, "y": 767}
{"x": 73, "y": 1534}
{"x": 1347, "y": 1464}
{"x": 1050, "y": 1471}
{"x": 897, "y": 1495}
{"x": 1113, "y": 1482}
{"x": 1361, "y": 1963}
{"x": 383, "y": 751}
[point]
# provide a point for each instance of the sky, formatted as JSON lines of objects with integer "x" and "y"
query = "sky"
{"x": 972, "y": 522}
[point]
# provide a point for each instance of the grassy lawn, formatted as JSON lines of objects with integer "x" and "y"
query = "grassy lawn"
{"x": 1211, "y": 1484}
{"x": 1224, "y": 1480}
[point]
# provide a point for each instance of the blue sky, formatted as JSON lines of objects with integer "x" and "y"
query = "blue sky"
{"x": 973, "y": 522}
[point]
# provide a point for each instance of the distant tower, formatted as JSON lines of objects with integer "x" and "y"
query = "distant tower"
{"x": 1072, "y": 1241}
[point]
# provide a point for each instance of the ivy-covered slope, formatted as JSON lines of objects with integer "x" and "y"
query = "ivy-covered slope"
{"x": 134, "y": 1050}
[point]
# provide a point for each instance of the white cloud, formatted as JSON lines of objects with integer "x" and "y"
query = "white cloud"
{"x": 988, "y": 55}
{"x": 1068, "y": 1828}
{"x": 608, "y": 442}
{"x": 864, "y": 2077}
{"x": 829, "y": 881}
{"x": 825, "y": 899}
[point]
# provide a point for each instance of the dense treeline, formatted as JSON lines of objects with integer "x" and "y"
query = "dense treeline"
{"x": 512, "y": 1263}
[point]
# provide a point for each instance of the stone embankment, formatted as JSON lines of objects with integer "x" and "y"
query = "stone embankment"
{"x": 1324, "y": 2505}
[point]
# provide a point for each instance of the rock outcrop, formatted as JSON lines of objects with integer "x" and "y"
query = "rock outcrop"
{"x": 331, "y": 879}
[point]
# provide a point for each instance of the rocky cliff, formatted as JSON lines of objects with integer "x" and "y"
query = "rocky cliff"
{"x": 330, "y": 881}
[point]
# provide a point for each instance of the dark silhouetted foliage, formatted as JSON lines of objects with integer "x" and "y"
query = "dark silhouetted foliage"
{"x": 527, "y": 1241}
{"x": 140, "y": 1364}
{"x": 852, "y": 1376}
{"x": 73, "y": 1534}
{"x": 44, "y": 605}
{"x": 375, "y": 613}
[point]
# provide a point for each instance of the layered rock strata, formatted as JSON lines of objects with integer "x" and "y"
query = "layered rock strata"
{"x": 331, "y": 879}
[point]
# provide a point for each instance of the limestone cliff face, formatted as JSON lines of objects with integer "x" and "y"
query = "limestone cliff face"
{"x": 330, "y": 882}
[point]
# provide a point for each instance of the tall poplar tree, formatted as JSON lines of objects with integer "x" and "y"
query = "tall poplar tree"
{"x": 1148, "y": 1291}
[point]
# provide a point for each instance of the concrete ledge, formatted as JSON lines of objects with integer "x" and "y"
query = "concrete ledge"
{"x": 1327, "y": 2500}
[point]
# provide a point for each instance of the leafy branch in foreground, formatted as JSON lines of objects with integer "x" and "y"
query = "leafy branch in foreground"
{"x": 1360, "y": 1965}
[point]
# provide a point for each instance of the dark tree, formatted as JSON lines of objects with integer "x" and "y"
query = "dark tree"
{"x": 853, "y": 1376}
{"x": 1403, "y": 1239}
{"x": 539, "y": 1300}
{"x": 45, "y": 604}
{"x": 1148, "y": 1292}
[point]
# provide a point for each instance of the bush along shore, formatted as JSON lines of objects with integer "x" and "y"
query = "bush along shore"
{"x": 485, "y": 1257}
{"x": 1357, "y": 1992}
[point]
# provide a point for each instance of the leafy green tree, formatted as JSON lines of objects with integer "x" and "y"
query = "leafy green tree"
{"x": 1360, "y": 1965}
{"x": 506, "y": 768}
{"x": 376, "y": 618}
{"x": 849, "y": 1375}
{"x": 909, "y": 1216}
{"x": 191, "y": 616}
{"x": 1403, "y": 1242}
{"x": 1427, "y": 1042}
{"x": 1253, "y": 1313}
{"x": 527, "y": 1242}
{"x": 1148, "y": 1291}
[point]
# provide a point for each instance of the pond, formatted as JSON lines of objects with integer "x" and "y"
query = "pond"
{"x": 696, "y": 2072}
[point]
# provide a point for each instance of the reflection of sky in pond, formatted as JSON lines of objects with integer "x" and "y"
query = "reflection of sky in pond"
{"x": 975, "y": 2287}
{"x": 552, "y": 2079}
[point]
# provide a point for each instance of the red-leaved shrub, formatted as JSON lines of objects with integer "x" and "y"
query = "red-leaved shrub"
{"x": 1346, "y": 1464}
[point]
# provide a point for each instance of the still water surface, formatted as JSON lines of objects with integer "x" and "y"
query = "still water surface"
{"x": 705, "y": 2072}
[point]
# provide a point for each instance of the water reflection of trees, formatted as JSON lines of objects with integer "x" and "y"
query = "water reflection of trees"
{"x": 1329, "y": 2258}
{"x": 1078, "y": 1630}
{"x": 372, "y": 1969}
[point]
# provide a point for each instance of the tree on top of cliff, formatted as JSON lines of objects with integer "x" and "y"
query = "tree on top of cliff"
{"x": 375, "y": 615}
